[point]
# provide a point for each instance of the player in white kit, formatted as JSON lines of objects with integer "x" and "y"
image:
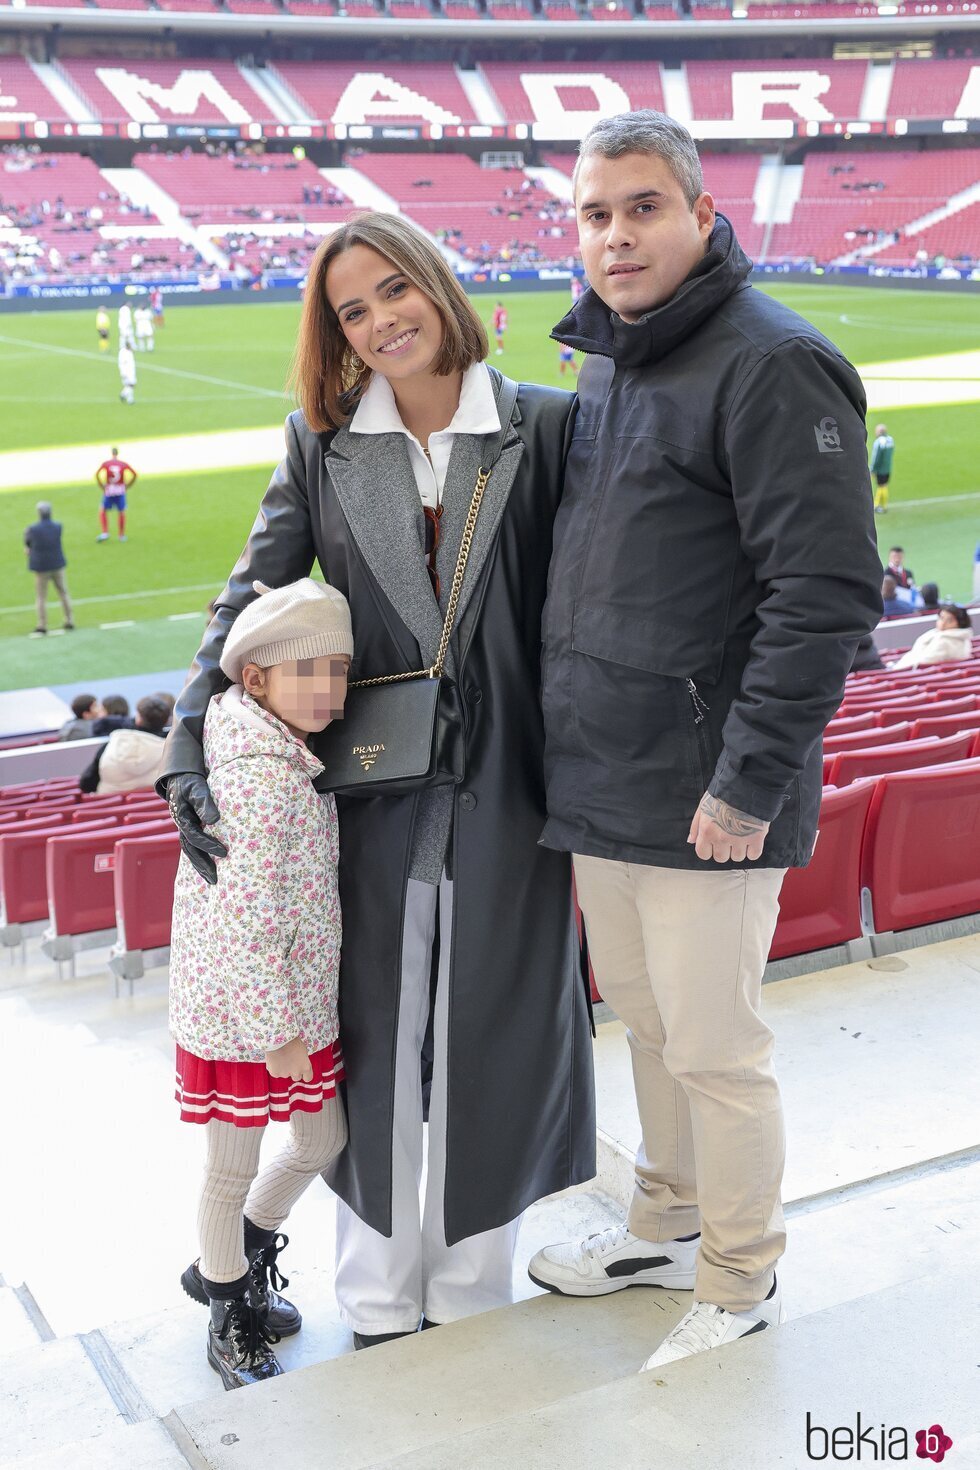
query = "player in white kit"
{"x": 127, "y": 374}
{"x": 125, "y": 322}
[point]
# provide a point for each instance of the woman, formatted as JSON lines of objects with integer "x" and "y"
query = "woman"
{"x": 951, "y": 639}
{"x": 445, "y": 893}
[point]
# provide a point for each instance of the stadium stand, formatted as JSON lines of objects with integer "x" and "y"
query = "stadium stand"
{"x": 820, "y": 905}
{"x": 484, "y": 213}
{"x": 338, "y": 91}
{"x": 167, "y": 91}
{"x": 270, "y": 188}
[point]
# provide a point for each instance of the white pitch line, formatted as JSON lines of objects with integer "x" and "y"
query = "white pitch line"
{"x": 179, "y": 617}
{"x": 124, "y": 596}
{"x": 129, "y": 623}
{"x": 153, "y": 367}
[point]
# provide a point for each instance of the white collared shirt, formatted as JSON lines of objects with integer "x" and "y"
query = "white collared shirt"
{"x": 377, "y": 413}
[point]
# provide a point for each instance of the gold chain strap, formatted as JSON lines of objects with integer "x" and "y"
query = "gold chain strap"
{"x": 435, "y": 672}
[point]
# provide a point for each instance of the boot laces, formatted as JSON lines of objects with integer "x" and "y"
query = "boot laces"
{"x": 264, "y": 1273}
{"x": 247, "y": 1332}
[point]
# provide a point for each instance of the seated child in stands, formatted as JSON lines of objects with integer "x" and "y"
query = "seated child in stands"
{"x": 254, "y": 964}
{"x": 950, "y": 640}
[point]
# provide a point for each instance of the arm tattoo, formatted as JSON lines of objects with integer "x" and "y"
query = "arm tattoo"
{"x": 731, "y": 821}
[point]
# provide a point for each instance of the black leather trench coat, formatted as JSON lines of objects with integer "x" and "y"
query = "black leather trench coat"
{"x": 520, "y": 1087}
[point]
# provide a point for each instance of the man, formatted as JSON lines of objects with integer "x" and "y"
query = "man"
{"x": 499, "y": 326}
{"x": 714, "y": 569}
{"x": 125, "y": 322}
{"x": 114, "y": 477}
{"x": 102, "y": 328}
{"x": 895, "y": 601}
{"x": 896, "y": 568}
{"x": 85, "y": 710}
{"x": 46, "y": 559}
{"x": 882, "y": 454}
{"x": 126, "y": 362}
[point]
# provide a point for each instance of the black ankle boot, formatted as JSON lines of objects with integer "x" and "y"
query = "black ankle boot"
{"x": 266, "y": 1281}
{"x": 281, "y": 1317}
{"x": 240, "y": 1343}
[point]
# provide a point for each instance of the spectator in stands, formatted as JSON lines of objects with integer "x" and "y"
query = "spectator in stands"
{"x": 86, "y": 709}
{"x": 169, "y": 700}
{"x": 46, "y": 559}
{"x": 929, "y": 597}
{"x": 685, "y": 491}
{"x": 896, "y": 602}
{"x": 254, "y": 963}
{"x": 115, "y": 716}
{"x": 949, "y": 641}
{"x": 452, "y": 883}
{"x": 131, "y": 758}
{"x": 896, "y": 568}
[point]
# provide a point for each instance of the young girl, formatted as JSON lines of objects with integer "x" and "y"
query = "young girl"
{"x": 254, "y": 963}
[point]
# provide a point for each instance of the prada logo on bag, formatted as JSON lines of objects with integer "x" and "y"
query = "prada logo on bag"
{"x": 367, "y": 754}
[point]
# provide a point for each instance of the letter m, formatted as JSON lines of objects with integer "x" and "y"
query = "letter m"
{"x": 139, "y": 96}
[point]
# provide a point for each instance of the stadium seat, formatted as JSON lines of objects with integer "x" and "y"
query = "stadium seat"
{"x": 851, "y": 765}
{"x": 929, "y": 709}
{"x": 945, "y": 725}
{"x": 867, "y": 739}
{"x": 79, "y": 870}
{"x": 820, "y": 905}
{"x": 847, "y": 725}
{"x": 921, "y": 860}
{"x": 23, "y": 876}
{"x": 144, "y": 894}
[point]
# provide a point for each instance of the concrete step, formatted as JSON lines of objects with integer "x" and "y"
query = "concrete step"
{"x": 17, "y": 1329}
{"x": 555, "y": 1382}
{"x": 910, "y": 1356}
{"x": 52, "y": 1395}
{"x": 147, "y": 1446}
{"x": 163, "y": 1357}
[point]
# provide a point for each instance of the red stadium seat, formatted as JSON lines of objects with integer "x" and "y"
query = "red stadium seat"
{"x": 894, "y": 715}
{"x": 820, "y": 906}
{"x": 23, "y": 876}
{"x": 941, "y": 725}
{"x": 921, "y": 861}
{"x": 79, "y": 870}
{"x": 850, "y": 765}
{"x": 144, "y": 897}
{"x": 866, "y": 739}
{"x": 846, "y": 725}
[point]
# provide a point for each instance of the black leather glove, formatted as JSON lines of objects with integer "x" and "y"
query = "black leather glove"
{"x": 191, "y": 805}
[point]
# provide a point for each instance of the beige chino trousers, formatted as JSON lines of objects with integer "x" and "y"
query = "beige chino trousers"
{"x": 41, "y": 580}
{"x": 679, "y": 957}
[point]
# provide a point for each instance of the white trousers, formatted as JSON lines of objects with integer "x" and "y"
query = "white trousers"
{"x": 386, "y": 1284}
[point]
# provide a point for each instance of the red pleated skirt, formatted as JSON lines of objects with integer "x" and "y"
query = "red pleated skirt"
{"x": 243, "y": 1093}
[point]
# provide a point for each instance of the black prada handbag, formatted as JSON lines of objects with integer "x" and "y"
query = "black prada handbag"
{"x": 402, "y": 732}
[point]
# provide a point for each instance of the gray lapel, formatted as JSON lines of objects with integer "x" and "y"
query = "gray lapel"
{"x": 464, "y": 463}
{"x": 376, "y": 488}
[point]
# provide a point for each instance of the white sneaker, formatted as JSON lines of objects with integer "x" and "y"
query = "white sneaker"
{"x": 707, "y": 1326}
{"x": 613, "y": 1260}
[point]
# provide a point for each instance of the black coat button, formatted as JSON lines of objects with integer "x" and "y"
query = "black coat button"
{"x": 467, "y": 801}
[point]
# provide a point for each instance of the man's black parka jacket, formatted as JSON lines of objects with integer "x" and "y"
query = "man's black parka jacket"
{"x": 714, "y": 567}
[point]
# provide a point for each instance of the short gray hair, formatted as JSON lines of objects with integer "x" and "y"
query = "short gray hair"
{"x": 646, "y": 131}
{"x": 44, "y": 509}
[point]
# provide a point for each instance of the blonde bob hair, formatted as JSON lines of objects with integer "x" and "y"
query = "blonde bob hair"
{"x": 326, "y": 376}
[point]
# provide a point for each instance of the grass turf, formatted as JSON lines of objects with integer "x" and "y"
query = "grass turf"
{"x": 225, "y": 367}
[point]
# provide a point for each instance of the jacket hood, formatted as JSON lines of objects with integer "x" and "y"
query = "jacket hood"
{"x": 591, "y": 326}
{"x": 236, "y": 728}
{"x": 131, "y": 758}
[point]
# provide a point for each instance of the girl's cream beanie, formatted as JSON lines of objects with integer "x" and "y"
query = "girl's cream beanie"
{"x": 304, "y": 620}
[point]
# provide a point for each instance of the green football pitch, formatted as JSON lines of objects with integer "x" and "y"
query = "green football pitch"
{"x": 139, "y": 605}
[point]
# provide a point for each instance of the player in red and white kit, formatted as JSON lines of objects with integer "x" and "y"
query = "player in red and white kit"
{"x": 114, "y": 477}
{"x": 499, "y": 325}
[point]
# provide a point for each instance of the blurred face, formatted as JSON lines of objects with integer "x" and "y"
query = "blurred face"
{"x": 393, "y": 327}
{"x": 306, "y": 694}
{"x": 897, "y": 558}
{"x": 639, "y": 236}
{"x": 946, "y": 620}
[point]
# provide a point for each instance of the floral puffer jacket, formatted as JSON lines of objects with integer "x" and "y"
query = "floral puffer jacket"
{"x": 255, "y": 957}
